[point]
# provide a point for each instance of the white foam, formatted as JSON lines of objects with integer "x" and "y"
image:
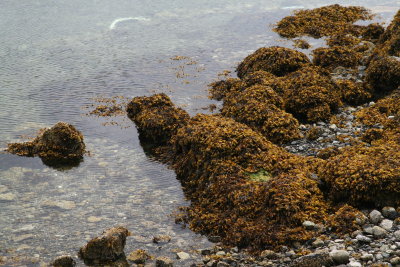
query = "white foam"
{"x": 116, "y": 21}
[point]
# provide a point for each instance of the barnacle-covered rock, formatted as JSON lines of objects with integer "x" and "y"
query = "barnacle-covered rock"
{"x": 156, "y": 117}
{"x": 383, "y": 74}
{"x": 260, "y": 108}
{"x": 323, "y": 21}
{"x": 105, "y": 248}
{"x": 335, "y": 56}
{"x": 364, "y": 175}
{"x": 354, "y": 93}
{"x": 61, "y": 144}
{"x": 276, "y": 60}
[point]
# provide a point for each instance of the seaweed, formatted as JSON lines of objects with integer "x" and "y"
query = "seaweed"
{"x": 354, "y": 93}
{"x": 336, "y": 56}
{"x": 383, "y": 74}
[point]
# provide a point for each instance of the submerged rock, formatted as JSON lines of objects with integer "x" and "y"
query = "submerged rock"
{"x": 61, "y": 144}
{"x": 107, "y": 247}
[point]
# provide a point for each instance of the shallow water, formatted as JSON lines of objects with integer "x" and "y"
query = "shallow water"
{"x": 56, "y": 57}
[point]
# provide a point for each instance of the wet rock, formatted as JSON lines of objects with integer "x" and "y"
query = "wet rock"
{"x": 63, "y": 261}
{"x": 60, "y": 145}
{"x": 94, "y": 219}
{"x": 164, "y": 262}
{"x": 340, "y": 256}
{"x": 139, "y": 256}
{"x": 269, "y": 254}
{"x": 107, "y": 247}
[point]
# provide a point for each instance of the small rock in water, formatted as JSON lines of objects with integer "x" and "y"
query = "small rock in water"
{"x": 107, "y": 247}
{"x": 161, "y": 239}
{"x": 62, "y": 204}
{"x": 63, "y": 261}
{"x": 164, "y": 262}
{"x": 139, "y": 256}
{"x": 182, "y": 255}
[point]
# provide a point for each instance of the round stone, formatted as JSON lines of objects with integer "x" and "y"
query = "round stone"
{"x": 375, "y": 216}
{"x": 340, "y": 256}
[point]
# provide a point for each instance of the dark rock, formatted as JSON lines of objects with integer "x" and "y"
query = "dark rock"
{"x": 164, "y": 262}
{"x": 107, "y": 247}
{"x": 139, "y": 256}
{"x": 161, "y": 239}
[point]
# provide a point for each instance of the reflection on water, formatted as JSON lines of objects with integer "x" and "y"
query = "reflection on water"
{"x": 57, "y": 57}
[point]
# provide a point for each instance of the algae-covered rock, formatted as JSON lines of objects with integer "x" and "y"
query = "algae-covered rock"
{"x": 276, "y": 60}
{"x": 354, "y": 93}
{"x": 106, "y": 248}
{"x": 389, "y": 42}
{"x": 364, "y": 175}
{"x": 156, "y": 117}
{"x": 373, "y": 32}
{"x": 62, "y": 143}
{"x": 336, "y": 56}
{"x": 345, "y": 220}
{"x": 383, "y": 74}
{"x": 219, "y": 89}
{"x": 323, "y": 21}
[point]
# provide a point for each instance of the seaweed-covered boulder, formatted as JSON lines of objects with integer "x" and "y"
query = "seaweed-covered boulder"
{"x": 108, "y": 247}
{"x": 364, "y": 175}
{"x": 219, "y": 89}
{"x": 342, "y": 40}
{"x": 62, "y": 143}
{"x": 335, "y": 56}
{"x": 261, "y": 108}
{"x": 373, "y": 32}
{"x": 354, "y": 93}
{"x": 63, "y": 261}
{"x": 156, "y": 117}
{"x": 383, "y": 74}
{"x": 276, "y": 60}
{"x": 389, "y": 42}
{"x": 323, "y": 21}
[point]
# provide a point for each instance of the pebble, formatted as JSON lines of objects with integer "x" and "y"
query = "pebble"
{"x": 386, "y": 224}
{"x": 363, "y": 239}
{"x": 389, "y": 212}
{"x": 378, "y": 231}
{"x": 340, "y": 256}
{"x": 375, "y": 216}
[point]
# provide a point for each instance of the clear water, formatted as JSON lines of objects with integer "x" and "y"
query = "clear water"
{"x": 56, "y": 56}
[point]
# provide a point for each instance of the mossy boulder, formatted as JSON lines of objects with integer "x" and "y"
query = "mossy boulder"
{"x": 276, "y": 60}
{"x": 156, "y": 117}
{"x": 364, "y": 175}
{"x": 61, "y": 144}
